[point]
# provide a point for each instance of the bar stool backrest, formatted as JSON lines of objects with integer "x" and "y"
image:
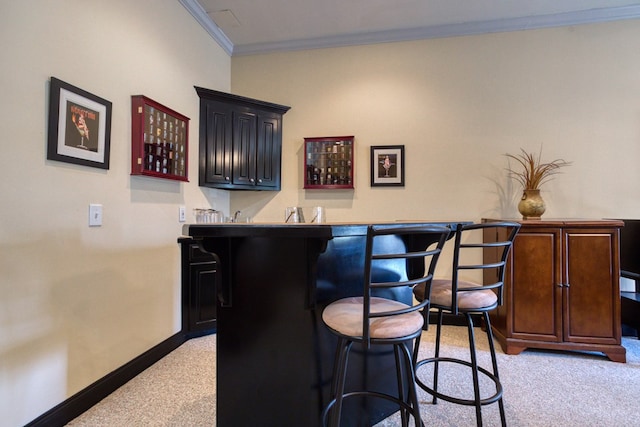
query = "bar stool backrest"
{"x": 497, "y": 240}
{"x": 420, "y": 252}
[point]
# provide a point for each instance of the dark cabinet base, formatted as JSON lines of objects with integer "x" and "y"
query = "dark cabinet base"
{"x": 274, "y": 354}
{"x": 199, "y": 289}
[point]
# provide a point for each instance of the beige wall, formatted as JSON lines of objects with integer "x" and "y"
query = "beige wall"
{"x": 458, "y": 105}
{"x": 78, "y": 302}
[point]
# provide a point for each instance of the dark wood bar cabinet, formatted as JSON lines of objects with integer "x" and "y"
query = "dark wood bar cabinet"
{"x": 274, "y": 355}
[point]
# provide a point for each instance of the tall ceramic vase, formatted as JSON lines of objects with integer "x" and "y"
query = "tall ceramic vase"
{"x": 531, "y": 205}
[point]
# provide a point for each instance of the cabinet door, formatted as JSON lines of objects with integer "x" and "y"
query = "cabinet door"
{"x": 591, "y": 294}
{"x": 536, "y": 296}
{"x": 269, "y": 147}
{"x": 244, "y": 148}
{"x": 202, "y": 296}
{"x": 215, "y": 148}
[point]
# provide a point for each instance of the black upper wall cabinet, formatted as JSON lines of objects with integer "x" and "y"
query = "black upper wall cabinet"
{"x": 240, "y": 142}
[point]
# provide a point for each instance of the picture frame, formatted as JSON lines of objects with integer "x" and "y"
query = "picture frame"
{"x": 79, "y": 126}
{"x": 387, "y": 166}
{"x": 329, "y": 162}
{"x": 159, "y": 140}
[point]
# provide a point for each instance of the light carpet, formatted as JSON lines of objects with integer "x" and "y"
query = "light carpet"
{"x": 541, "y": 389}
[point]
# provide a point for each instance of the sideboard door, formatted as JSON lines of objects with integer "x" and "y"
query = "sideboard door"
{"x": 591, "y": 306}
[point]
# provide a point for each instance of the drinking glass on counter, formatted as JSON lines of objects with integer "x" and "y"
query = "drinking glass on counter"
{"x": 239, "y": 218}
{"x": 208, "y": 216}
{"x": 293, "y": 215}
{"x": 318, "y": 215}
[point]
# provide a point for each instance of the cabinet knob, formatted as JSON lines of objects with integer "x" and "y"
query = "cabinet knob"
{"x": 251, "y": 180}
{"x": 226, "y": 178}
{"x": 260, "y": 181}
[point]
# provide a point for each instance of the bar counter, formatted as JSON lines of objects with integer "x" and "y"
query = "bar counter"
{"x": 274, "y": 354}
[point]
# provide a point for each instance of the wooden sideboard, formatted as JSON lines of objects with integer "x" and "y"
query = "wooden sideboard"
{"x": 562, "y": 288}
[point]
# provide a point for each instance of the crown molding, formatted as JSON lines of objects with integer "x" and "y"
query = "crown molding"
{"x": 207, "y": 23}
{"x": 436, "y": 31}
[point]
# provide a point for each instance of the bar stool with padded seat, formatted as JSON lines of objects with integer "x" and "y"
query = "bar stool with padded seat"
{"x": 374, "y": 320}
{"x": 467, "y": 299}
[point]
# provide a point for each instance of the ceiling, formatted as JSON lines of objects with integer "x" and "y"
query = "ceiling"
{"x": 244, "y": 27}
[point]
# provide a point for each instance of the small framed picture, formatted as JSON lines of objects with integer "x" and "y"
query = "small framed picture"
{"x": 79, "y": 126}
{"x": 387, "y": 166}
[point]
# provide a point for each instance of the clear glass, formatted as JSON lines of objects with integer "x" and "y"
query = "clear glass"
{"x": 293, "y": 214}
{"x": 318, "y": 215}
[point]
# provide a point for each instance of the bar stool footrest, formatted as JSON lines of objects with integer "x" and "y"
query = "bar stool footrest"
{"x": 404, "y": 405}
{"x": 468, "y": 402}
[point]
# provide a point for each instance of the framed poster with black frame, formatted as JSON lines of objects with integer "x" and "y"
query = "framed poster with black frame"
{"x": 387, "y": 166}
{"x": 79, "y": 126}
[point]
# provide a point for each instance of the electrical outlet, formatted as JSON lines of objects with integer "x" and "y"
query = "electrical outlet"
{"x": 95, "y": 215}
{"x": 182, "y": 214}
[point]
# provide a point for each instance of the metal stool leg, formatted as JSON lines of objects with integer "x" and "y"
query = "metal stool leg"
{"x": 405, "y": 371}
{"x": 400, "y": 374}
{"x": 336, "y": 364}
{"x": 474, "y": 370}
{"x": 337, "y": 388}
{"x": 411, "y": 381}
{"x": 416, "y": 346}
{"x": 437, "y": 355}
{"x": 494, "y": 362}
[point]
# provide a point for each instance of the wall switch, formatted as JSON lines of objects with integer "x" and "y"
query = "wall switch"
{"x": 95, "y": 215}
{"x": 182, "y": 214}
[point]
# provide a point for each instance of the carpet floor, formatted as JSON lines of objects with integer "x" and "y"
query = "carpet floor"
{"x": 541, "y": 389}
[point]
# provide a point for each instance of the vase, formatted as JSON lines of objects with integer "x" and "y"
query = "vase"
{"x": 531, "y": 206}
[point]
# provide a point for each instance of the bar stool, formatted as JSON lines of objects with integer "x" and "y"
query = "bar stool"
{"x": 373, "y": 320}
{"x": 467, "y": 299}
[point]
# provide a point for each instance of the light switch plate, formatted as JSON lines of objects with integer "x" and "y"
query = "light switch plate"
{"x": 95, "y": 215}
{"x": 182, "y": 214}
